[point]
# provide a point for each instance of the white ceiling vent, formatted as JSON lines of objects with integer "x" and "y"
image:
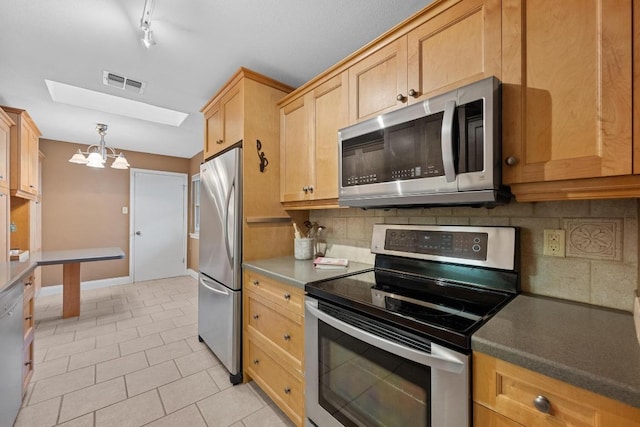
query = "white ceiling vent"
{"x": 121, "y": 82}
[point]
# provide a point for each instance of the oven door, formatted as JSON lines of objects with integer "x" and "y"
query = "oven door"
{"x": 355, "y": 377}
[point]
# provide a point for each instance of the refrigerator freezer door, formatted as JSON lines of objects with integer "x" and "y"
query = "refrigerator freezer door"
{"x": 219, "y": 323}
{"x": 220, "y": 210}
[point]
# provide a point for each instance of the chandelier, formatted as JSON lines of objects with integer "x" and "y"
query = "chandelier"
{"x": 97, "y": 154}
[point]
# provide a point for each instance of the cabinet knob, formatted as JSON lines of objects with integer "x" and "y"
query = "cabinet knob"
{"x": 287, "y": 296}
{"x": 542, "y": 404}
{"x": 413, "y": 93}
{"x": 511, "y": 161}
{"x": 219, "y": 141}
{"x": 305, "y": 189}
{"x": 28, "y": 318}
{"x": 256, "y": 316}
{"x": 311, "y": 189}
{"x": 28, "y": 284}
{"x": 287, "y": 390}
{"x": 256, "y": 361}
{"x": 286, "y": 337}
{"x": 401, "y": 98}
{"x": 32, "y": 186}
{"x": 28, "y": 363}
{"x": 255, "y": 282}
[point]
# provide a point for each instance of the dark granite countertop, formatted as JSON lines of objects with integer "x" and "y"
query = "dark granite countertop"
{"x": 587, "y": 346}
{"x": 299, "y": 272}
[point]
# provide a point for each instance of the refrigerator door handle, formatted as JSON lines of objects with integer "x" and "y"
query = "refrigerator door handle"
{"x": 226, "y": 221}
{"x": 218, "y": 291}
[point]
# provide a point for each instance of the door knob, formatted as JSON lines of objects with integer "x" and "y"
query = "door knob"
{"x": 138, "y": 233}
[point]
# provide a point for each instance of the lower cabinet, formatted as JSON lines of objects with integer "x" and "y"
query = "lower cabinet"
{"x": 273, "y": 322}
{"x": 509, "y": 395}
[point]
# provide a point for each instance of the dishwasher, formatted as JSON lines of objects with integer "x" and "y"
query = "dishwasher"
{"x": 11, "y": 337}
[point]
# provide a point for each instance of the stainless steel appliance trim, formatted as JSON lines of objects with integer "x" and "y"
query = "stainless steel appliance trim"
{"x": 440, "y": 358}
{"x": 447, "y": 141}
{"x": 219, "y": 289}
{"x": 500, "y": 244}
{"x": 226, "y": 221}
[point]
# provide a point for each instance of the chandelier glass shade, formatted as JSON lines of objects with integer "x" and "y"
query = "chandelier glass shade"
{"x": 96, "y": 155}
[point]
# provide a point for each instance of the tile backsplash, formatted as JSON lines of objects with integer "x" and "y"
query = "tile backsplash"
{"x": 601, "y": 263}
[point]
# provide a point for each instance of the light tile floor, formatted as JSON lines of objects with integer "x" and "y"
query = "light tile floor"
{"x": 132, "y": 358}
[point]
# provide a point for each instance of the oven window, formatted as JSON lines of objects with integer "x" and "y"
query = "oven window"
{"x": 361, "y": 385}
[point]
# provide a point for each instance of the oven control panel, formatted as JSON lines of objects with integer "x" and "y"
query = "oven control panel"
{"x": 457, "y": 244}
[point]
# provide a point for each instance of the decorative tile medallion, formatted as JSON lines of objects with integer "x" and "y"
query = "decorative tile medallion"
{"x": 595, "y": 238}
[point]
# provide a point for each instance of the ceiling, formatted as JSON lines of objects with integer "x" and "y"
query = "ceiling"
{"x": 200, "y": 44}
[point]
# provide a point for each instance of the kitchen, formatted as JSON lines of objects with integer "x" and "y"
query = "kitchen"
{"x": 605, "y": 278}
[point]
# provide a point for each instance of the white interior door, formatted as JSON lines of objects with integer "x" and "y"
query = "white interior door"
{"x": 158, "y": 224}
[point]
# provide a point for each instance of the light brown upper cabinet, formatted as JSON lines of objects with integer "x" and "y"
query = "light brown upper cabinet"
{"x": 567, "y": 98}
{"x": 309, "y": 127}
{"x": 25, "y": 137}
{"x": 5, "y": 140}
{"x": 223, "y": 120}
{"x": 458, "y": 43}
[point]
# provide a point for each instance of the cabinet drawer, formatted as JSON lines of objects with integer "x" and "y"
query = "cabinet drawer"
{"x": 285, "y": 389}
{"x": 511, "y": 391}
{"x": 284, "y": 331}
{"x": 279, "y": 293}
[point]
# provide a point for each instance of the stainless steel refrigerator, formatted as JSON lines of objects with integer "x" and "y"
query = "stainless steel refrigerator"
{"x": 220, "y": 278}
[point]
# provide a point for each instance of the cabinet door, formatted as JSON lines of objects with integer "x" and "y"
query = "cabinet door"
{"x": 330, "y": 105}
{"x": 231, "y": 107}
{"x": 376, "y": 82}
{"x": 5, "y": 141}
{"x": 566, "y": 89}
{"x": 457, "y": 46}
{"x": 25, "y": 157}
{"x": 213, "y": 131}
{"x": 34, "y": 147}
{"x": 4, "y": 225}
{"x": 295, "y": 151}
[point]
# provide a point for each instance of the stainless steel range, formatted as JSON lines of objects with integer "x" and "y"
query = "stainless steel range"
{"x": 391, "y": 346}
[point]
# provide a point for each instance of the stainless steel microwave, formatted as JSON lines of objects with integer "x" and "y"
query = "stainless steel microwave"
{"x": 441, "y": 151}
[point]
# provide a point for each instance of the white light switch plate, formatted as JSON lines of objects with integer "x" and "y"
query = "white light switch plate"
{"x": 636, "y": 315}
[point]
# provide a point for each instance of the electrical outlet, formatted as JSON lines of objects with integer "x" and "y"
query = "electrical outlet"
{"x": 554, "y": 243}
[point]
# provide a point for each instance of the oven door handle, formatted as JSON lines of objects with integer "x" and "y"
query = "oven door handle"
{"x": 440, "y": 358}
{"x": 447, "y": 141}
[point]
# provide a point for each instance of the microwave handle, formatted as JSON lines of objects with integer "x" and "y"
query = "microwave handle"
{"x": 447, "y": 141}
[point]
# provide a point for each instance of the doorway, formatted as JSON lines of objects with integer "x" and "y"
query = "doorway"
{"x": 158, "y": 224}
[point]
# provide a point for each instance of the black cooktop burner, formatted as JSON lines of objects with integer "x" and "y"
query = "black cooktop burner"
{"x": 444, "y": 310}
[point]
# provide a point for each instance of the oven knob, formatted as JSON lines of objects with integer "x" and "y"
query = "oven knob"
{"x": 542, "y": 404}
{"x": 476, "y": 248}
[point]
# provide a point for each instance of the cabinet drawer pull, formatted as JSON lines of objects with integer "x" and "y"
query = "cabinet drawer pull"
{"x": 28, "y": 363}
{"x": 28, "y": 318}
{"x": 255, "y": 282}
{"x": 542, "y": 404}
{"x": 401, "y": 98}
{"x": 256, "y": 361}
{"x": 256, "y": 316}
{"x": 511, "y": 161}
{"x": 286, "y": 337}
{"x": 219, "y": 141}
{"x": 287, "y": 296}
{"x": 287, "y": 390}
